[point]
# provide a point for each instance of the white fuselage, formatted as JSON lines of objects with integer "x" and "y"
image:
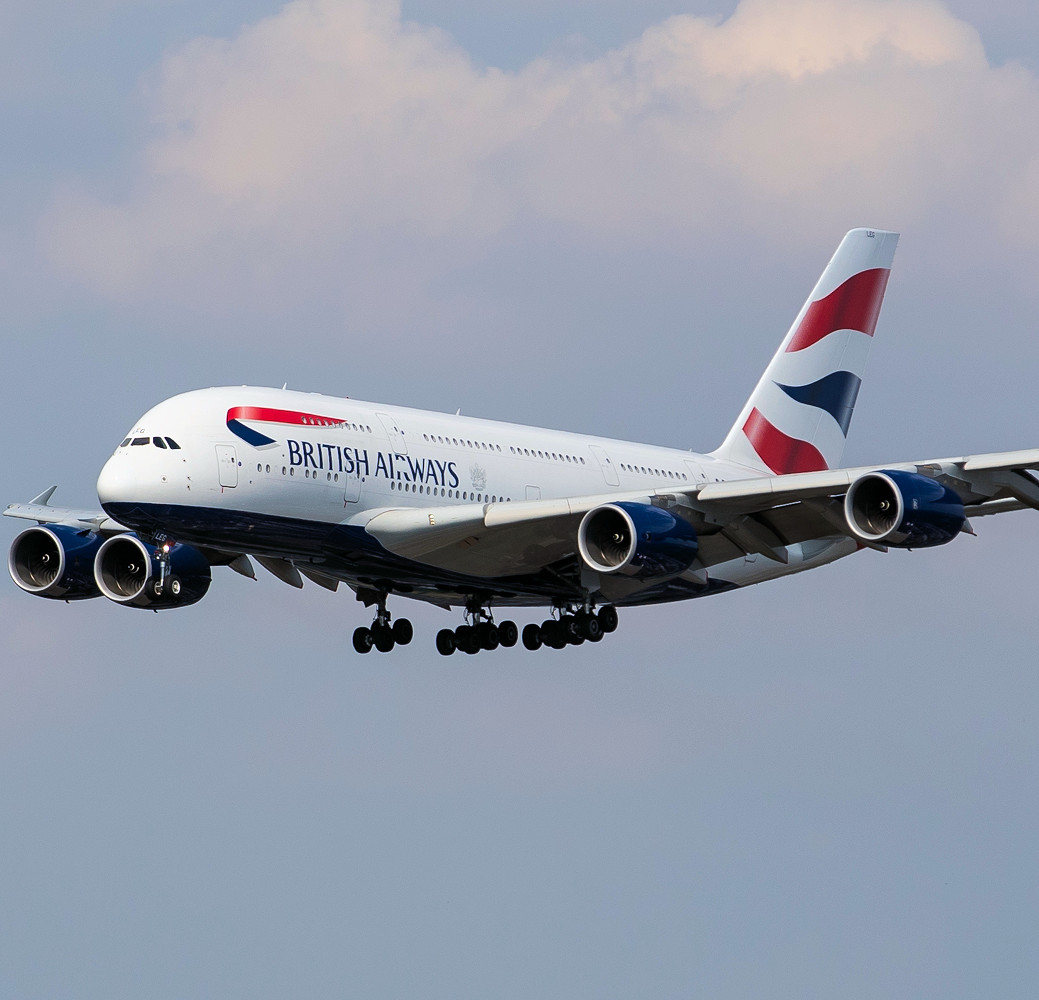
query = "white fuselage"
{"x": 305, "y": 458}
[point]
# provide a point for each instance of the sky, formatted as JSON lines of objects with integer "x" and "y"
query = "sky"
{"x": 589, "y": 214}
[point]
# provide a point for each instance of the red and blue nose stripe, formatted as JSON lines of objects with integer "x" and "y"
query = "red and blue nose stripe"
{"x": 264, "y": 414}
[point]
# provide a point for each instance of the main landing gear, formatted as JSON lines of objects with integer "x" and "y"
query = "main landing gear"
{"x": 383, "y": 635}
{"x": 571, "y": 628}
{"x": 479, "y": 633}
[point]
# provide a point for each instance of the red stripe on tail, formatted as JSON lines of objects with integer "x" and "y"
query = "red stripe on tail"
{"x": 853, "y": 305}
{"x": 780, "y": 453}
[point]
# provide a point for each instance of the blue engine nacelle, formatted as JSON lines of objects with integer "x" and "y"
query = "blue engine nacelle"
{"x": 903, "y": 509}
{"x": 636, "y": 539}
{"x": 128, "y": 572}
{"x": 56, "y": 562}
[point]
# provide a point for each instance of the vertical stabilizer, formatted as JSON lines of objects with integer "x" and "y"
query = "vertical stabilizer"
{"x": 797, "y": 418}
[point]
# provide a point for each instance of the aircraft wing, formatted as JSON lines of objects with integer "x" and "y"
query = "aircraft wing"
{"x": 495, "y": 539}
{"x": 39, "y": 509}
{"x": 734, "y": 518}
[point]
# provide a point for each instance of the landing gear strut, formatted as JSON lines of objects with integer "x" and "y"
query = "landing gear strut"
{"x": 165, "y": 581}
{"x": 382, "y": 634}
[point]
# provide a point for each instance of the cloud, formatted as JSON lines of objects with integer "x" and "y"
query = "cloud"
{"x": 336, "y": 146}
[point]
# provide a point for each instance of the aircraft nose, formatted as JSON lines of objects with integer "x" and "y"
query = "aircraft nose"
{"x": 113, "y": 480}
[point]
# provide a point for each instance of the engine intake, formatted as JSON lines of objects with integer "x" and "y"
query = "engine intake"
{"x": 55, "y": 562}
{"x": 903, "y": 509}
{"x": 636, "y": 539}
{"x": 128, "y": 572}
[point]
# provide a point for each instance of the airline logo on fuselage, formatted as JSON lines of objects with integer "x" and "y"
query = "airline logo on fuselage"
{"x": 335, "y": 457}
{"x": 269, "y": 415}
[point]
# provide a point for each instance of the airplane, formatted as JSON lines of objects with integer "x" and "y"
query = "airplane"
{"x": 480, "y": 516}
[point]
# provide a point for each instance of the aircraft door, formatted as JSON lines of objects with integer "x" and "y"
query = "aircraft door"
{"x": 609, "y": 471}
{"x": 352, "y": 490}
{"x": 227, "y": 465}
{"x": 394, "y": 433}
{"x": 699, "y": 477}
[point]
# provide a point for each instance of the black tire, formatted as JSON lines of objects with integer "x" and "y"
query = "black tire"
{"x": 532, "y": 636}
{"x": 363, "y": 639}
{"x": 589, "y": 626}
{"x": 465, "y": 639}
{"x": 608, "y": 618}
{"x": 487, "y": 636}
{"x": 175, "y": 586}
{"x": 553, "y": 634}
{"x": 382, "y": 635}
{"x": 508, "y": 634}
{"x": 571, "y": 628}
{"x": 445, "y": 642}
{"x": 403, "y": 632}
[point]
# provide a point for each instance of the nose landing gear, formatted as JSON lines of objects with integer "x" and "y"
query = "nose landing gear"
{"x": 165, "y": 581}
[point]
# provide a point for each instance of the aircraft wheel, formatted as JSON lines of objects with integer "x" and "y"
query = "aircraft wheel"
{"x": 363, "y": 639}
{"x": 487, "y": 636}
{"x": 608, "y": 618}
{"x": 382, "y": 636}
{"x": 174, "y": 586}
{"x": 571, "y": 628}
{"x": 589, "y": 626}
{"x": 553, "y": 634}
{"x": 466, "y": 640}
{"x": 445, "y": 642}
{"x": 508, "y": 634}
{"x": 403, "y": 632}
{"x": 532, "y": 636}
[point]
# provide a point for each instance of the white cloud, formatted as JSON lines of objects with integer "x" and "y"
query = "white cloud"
{"x": 334, "y": 139}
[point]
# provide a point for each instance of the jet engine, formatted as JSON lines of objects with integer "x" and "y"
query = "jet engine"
{"x": 129, "y": 572}
{"x": 636, "y": 539}
{"x": 56, "y": 562}
{"x": 903, "y": 509}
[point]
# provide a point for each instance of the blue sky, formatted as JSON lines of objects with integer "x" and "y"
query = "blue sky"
{"x": 592, "y": 215}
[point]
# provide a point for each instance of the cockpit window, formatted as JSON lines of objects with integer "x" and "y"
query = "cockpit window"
{"x": 137, "y": 441}
{"x": 159, "y": 443}
{"x": 173, "y": 444}
{"x": 125, "y": 443}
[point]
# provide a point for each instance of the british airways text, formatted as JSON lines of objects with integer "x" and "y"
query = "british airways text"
{"x": 387, "y": 465}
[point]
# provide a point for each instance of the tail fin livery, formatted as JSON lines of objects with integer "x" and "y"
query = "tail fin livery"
{"x": 797, "y": 418}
